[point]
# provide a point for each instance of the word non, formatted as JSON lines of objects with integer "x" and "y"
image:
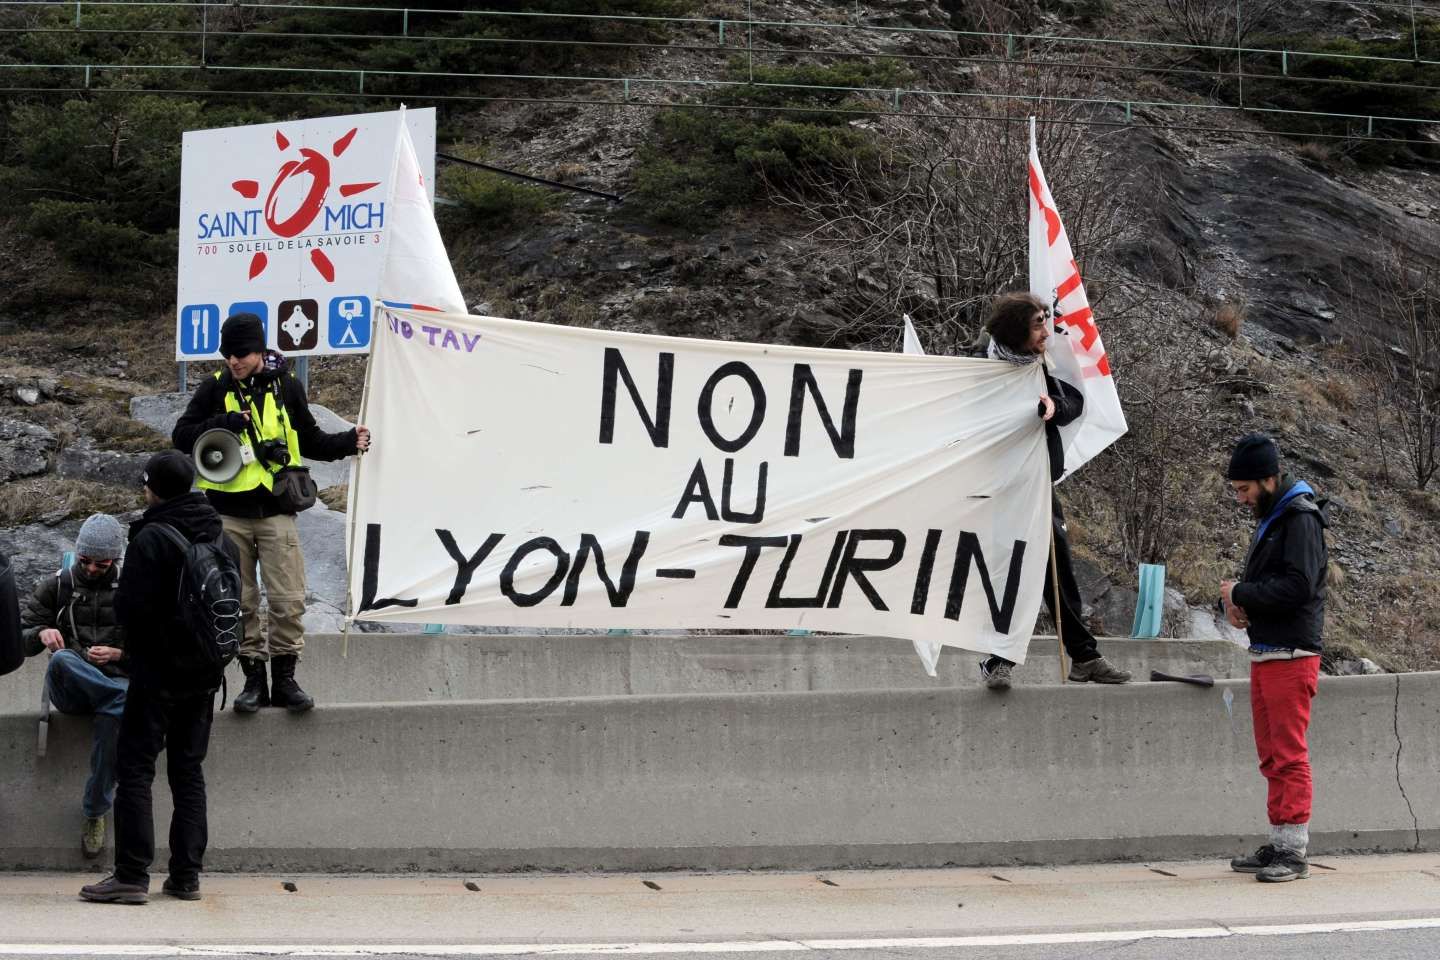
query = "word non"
{"x": 656, "y": 416}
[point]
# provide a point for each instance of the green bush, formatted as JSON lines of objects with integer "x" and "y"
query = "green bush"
{"x": 703, "y": 161}
{"x": 1366, "y": 95}
{"x": 98, "y": 173}
{"x": 88, "y": 233}
{"x": 487, "y": 199}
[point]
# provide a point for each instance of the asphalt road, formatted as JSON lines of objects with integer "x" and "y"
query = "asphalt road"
{"x": 1378, "y": 945}
{"x": 1376, "y": 908}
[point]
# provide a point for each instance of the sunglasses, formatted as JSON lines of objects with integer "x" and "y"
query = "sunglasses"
{"x": 97, "y": 564}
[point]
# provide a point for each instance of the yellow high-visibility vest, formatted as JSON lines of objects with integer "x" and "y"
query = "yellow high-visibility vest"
{"x": 272, "y": 422}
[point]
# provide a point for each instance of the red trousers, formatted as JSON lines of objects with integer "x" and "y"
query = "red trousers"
{"x": 1280, "y": 694}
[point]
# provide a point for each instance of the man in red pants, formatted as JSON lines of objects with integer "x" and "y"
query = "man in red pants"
{"x": 1280, "y": 602}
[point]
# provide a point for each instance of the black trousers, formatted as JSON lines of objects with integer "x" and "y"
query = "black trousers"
{"x": 1079, "y": 642}
{"x": 179, "y": 725}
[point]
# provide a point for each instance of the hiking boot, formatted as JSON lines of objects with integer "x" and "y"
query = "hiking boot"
{"x": 1284, "y": 867}
{"x": 1256, "y": 861}
{"x": 180, "y": 891}
{"x": 996, "y": 674}
{"x": 255, "y": 695}
{"x": 284, "y": 691}
{"x": 1098, "y": 670}
{"x": 111, "y": 890}
{"x": 92, "y": 838}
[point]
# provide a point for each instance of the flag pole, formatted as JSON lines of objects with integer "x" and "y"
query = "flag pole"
{"x": 358, "y": 467}
{"x": 1054, "y": 566}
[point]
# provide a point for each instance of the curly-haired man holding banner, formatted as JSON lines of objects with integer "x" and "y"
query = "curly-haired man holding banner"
{"x": 1019, "y": 328}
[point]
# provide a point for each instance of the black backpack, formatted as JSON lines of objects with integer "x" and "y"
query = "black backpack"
{"x": 207, "y": 602}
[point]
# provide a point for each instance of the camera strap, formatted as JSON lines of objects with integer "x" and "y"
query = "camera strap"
{"x": 255, "y": 443}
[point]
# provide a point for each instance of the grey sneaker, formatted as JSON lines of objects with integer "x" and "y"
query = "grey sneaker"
{"x": 996, "y": 675}
{"x": 1285, "y": 867}
{"x": 111, "y": 890}
{"x": 1098, "y": 670}
{"x": 92, "y": 838}
{"x": 1256, "y": 861}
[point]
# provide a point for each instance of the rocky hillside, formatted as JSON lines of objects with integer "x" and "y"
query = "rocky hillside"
{"x": 1244, "y": 280}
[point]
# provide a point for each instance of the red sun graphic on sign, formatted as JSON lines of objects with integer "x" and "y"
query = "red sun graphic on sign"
{"x": 316, "y": 166}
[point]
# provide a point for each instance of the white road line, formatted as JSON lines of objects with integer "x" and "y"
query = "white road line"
{"x": 730, "y": 946}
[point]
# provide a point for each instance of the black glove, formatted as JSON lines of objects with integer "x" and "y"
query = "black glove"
{"x": 234, "y": 422}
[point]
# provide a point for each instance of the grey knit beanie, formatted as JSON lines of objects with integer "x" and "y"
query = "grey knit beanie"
{"x": 101, "y": 538}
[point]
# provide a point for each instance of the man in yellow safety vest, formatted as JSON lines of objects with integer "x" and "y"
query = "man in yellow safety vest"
{"x": 259, "y": 400}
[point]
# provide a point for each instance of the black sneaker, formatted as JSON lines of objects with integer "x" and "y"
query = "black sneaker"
{"x": 996, "y": 674}
{"x": 111, "y": 890}
{"x": 180, "y": 891}
{"x": 1256, "y": 861}
{"x": 1285, "y": 867}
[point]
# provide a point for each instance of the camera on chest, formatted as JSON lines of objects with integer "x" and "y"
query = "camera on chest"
{"x": 273, "y": 451}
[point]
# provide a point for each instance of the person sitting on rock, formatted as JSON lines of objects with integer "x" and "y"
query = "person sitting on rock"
{"x": 259, "y": 400}
{"x": 72, "y": 615}
{"x": 1019, "y": 328}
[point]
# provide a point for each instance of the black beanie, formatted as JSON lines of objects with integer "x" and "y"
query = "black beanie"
{"x": 168, "y": 474}
{"x": 242, "y": 335}
{"x": 1255, "y": 458}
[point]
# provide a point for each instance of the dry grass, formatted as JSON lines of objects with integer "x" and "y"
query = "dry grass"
{"x": 1307, "y": 392}
{"x": 116, "y": 431}
{"x": 558, "y": 303}
{"x": 336, "y": 383}
{"x": 1341, "y": 394}
{"x": 1230, "y": 317}
{"x": 53, "y": 498}
{"x": 567, "y": 172}
{"x": 1317, "y": 153}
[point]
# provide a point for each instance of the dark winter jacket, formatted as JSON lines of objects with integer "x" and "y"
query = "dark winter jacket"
{"x": 11, "y": 643}
{"x": 146, "y": 601}
{"x": 1069, "y": 404}
{"x": 1283, "y": 589}
{"x": 206, "y": 411}
{"x": 82, "y": 608}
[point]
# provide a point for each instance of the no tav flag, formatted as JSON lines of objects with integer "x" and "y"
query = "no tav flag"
{"x": 1076, "y": 353}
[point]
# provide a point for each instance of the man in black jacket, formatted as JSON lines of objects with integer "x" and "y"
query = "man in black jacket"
{"x": 1280, "y": 602}
{"x": 171, "y": 702}
{"x": 264, "y": 405}
{"x": 1019, "y": 329}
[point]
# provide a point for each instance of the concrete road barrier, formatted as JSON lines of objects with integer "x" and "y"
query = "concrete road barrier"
{"x": 793, "y": 780}
{"x": 399, "y": 667}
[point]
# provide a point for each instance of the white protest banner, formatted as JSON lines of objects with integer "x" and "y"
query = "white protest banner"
{"x": 1076, "y": 352}
{"x": 532, "y": 475}
{"x": 284, "y": 220}
{"x": 912, "y": 340}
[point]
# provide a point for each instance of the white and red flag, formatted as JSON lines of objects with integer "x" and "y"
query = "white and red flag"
{"x": 1076, "y": 353}
{"x": 415, "y": 271}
